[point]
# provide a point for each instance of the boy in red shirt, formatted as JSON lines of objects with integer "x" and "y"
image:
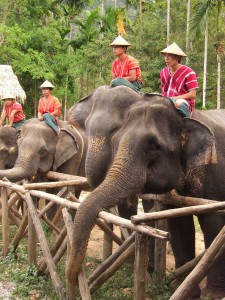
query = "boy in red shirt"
{"x": 13, "y": 112}
{"x": 125, "y": 69}
{"x": 178, "y": 81}
{"x": 49, "y": 106}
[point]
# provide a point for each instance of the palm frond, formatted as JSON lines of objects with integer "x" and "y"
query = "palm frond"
{"x": 199, "y": 18}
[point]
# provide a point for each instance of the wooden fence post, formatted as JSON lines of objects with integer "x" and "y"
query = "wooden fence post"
{"x": 5, "y": 222}
{"x": 198, "y": 273}
{"x": 32, "y": 238}
{"x": 141, "y": 250}
{"x": 45, "y": 249}
{"x": 107, "y": 243}
{"x": 160, "y": 246}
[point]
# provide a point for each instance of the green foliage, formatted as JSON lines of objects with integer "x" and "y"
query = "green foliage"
{"x": 67, "y": 42}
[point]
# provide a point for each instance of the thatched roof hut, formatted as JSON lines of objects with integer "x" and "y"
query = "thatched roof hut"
{"x": 9, "y": 83}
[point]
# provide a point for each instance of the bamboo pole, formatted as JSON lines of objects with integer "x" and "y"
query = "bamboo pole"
{"x": 5, "y": 223}
{"x": 141, "y": 250}
{"x": 20, "y": 232}
{"x": 107, "y": 243}
{"x": 185, "y": 269}
{"x": 177, "y": 212}
{"x": 83, "y": 285}
{"x": 32, "y": 237}
{"x": 110, "y": 260}
{"x": 14, "y": 220}
{"x": 160, "y": 247}
{"x": 113, "y": 268}
{"x": 45, "y": 249}
{"x": 54, "y": 249}
{"x": 215, "y": 250}
{"x": 61, "y": 177}
{"x": 50, "y": 185}
{"x": 177, "y": 200}
{"x": 59, "y": 254}
{"x": 104, "y": 215}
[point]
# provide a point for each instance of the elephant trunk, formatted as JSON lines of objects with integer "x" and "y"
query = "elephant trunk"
{"x": 99, "y": 156}
{"x": 116, "y": 186}
{"x": 22, "y": 169}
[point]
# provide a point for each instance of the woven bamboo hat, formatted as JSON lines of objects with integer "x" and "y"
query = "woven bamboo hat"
{"x": 9, "y": 84}
{"x": 8, "y": 96}
{"x": 120, "y": 41}
{"x": 47, "y": 84}
{"x": 174, "y": 49}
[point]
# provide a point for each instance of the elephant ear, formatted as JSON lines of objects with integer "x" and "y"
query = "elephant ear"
{"x": 67, "y": 145}
{"x": 198, "y": 144}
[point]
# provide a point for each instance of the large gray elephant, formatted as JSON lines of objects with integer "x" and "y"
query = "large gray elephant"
{"x": 110, "y": 108}
{"x": 8, "y": 147}
{"x": 153, "y": 150}
{"x": 40, "y": 150}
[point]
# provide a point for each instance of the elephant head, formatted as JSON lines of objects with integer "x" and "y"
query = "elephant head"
{"x": 153, "y": 149}
{"x": 41, "y": 150}
{"x": 79, "y": 112}
{"x": 109, "y": 112}
{"x": 8, "y": 147}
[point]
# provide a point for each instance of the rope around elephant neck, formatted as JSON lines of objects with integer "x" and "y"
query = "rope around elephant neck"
{"x": 82, "y": 140}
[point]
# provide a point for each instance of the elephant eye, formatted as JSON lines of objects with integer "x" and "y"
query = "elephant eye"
{"x": 42, "y": 152}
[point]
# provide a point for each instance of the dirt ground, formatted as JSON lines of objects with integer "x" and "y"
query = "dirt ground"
{"x": 95, "y": 246}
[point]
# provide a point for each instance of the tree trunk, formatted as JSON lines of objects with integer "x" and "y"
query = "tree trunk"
{"x": 168, "y": 23}
{"x": 205, "y": 66}
{"x": 187, "y": 28}
{"x": 218, "y": 80}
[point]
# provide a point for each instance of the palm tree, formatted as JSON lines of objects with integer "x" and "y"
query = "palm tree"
{"x": 198, "y": 24}
{"x": 187, "y": 28}
{"x": 168, "y": 23}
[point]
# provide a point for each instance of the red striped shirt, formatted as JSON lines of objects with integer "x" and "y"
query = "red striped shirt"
{"x": 182, "y": 81}
{"x": 49, "y": 105}
{"x": 19, "y": 116}
{"x": 122, "y": 69}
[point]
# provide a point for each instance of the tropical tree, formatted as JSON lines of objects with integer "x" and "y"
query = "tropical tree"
{"x": 198, "y": 24}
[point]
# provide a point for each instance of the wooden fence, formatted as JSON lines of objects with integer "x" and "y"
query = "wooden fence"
{"x": 29, "y": 223}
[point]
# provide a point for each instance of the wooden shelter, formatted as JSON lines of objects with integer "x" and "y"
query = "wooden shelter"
{"x": 9, "y": 83}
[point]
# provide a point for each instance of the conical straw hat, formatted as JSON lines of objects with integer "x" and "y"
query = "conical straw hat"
{"x": 8, "y": 96}
{"x": 47, "y": 84}
{"x": 174, "y": 49}
{"x": 9, "y": 84}
{"x": 119, "y": 41}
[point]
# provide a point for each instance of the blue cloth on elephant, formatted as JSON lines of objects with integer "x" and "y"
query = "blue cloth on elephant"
{"x": 52, "y": 122}
{"x": 136, "y": 85}
{"x": 182, "y": 108}
{"x": 19, "y": 125}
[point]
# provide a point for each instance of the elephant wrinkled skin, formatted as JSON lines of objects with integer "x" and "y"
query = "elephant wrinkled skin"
{"x": 150, "y": 148}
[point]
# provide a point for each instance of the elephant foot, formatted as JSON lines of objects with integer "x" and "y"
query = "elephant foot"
{"x": 212, "y": 294}
{"x": 196, "y": 293}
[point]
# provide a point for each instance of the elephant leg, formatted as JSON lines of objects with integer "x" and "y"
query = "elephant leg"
{"x": 183, "y": 243}
{"x": 211, "y": 225}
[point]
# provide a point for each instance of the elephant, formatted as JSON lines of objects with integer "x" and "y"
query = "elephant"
{"x": 113, "y": 104}
{"x": 40, "y": 150}
{"x": 153, "y": 149}
{"x": 8, "y": 147}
